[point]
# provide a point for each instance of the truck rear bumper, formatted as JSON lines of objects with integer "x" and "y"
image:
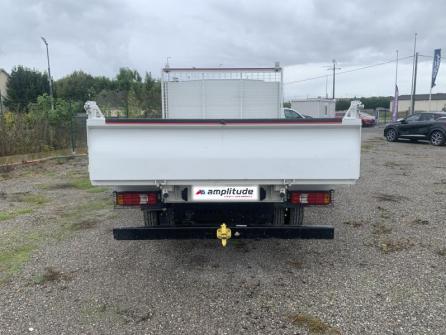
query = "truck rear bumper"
{"x": 251, "y": 232}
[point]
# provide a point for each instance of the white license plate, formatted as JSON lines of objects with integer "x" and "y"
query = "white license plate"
{"x": 225, "y": 193}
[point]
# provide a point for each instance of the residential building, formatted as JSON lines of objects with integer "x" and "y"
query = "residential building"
{"x": 4, "y": 77}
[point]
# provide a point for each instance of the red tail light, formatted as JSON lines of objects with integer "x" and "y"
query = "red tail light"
{"x": 135, "y": 198}
{"x": 311, "y": 198}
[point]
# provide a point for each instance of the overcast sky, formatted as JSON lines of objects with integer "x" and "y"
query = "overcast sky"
{"x": 100, "y": 36}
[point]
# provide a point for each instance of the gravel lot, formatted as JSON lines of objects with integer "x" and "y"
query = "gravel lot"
{"x": 61, "y": 272}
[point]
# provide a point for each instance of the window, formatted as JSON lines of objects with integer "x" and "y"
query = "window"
{"x": 290, "y": 114}
{"x": 413, "y": 118}
{"x": 426, "y": 117}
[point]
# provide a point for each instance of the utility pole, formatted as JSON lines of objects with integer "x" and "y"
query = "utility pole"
{"x": 396, "y": 93}
{"x": 326, "y": 87}
{"x": 414, "y": 89}
{"x": 412, "y": 93}
{"x": 50, "y": 81}
{"x": 334, "y": 77}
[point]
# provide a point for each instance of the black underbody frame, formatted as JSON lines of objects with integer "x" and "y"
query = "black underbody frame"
{"x": 201, "y": 220}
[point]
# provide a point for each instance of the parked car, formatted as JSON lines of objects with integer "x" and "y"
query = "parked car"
{"x": 367, "y": 119}
{"x": 293, "y": 114}
{"x": 420, "y": 126}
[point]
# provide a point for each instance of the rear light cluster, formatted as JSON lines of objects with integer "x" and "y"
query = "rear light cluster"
{"x": 135, "y": 198}
{"x": 310, "y": 198}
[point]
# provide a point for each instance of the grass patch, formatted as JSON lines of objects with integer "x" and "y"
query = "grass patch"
{"x": 85, "y": 184}
{"x": 50, "y": 274}
{"x": 58, "y": 186}
{"x": 381, "y": 229}
{"x": 30, "y": 198}
{"x": 314, "y": 325}
{"x": 8, "y": 215}
{"x": 389, "y": 197}
{"x": 35, "y": 199}
{"x": 389, "y": 245}
{"x": 83, "y": 224}
{"x": 366, "y": 147}
{"x": 16, "y": 245}
{"x": 441, "y": 252}
{"x": 296, "y": 264}
{"x": 12, "y": 260}
{"x": 383, "y": 212}
{"x": 355, "y": 224}
{"x": 420, "y": 222}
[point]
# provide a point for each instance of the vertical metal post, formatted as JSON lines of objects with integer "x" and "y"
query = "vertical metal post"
{"x": 430, "y": 98}
{"x": 50, "y": 80}
{"x": 163, "y": 112}
{"x": 280, "y": 93}
{"x": 203, "y": 96}
{"x": 412, "y": 102}
{"x": 326, "y": 87}
{"x": 414, "y": 89}
{"x": 73, "y": 148}
{"x": 334, "y": 78}
{"x": 241, "y": 94}
{"x": 395, "y": 106}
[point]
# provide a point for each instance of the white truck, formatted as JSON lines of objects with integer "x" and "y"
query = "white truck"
{"x": 223, "y": 162}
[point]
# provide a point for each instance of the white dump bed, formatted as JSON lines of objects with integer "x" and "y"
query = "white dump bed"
{"x": 197, "y": 152}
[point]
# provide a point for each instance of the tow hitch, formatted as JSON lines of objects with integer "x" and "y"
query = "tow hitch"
{"x": 223, "y": 234}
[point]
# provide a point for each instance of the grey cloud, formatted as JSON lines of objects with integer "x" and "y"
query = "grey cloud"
{"x": 100, "y": 36}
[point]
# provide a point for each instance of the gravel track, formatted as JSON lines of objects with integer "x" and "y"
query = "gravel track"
{"x": 384, "y": 273}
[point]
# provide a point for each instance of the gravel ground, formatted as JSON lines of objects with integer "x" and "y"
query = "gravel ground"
{"x": 61, "y": 271}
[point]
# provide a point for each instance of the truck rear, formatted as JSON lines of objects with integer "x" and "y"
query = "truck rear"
{"x": 213, "y": 167}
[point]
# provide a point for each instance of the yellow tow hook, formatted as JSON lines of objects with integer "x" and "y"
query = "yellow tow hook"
{"x": 223, "y": 234}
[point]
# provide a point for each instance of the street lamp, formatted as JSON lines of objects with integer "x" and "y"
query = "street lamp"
{"x": 50, "y": 82}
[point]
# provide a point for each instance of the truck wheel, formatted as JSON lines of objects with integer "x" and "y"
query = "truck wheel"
{"x": 437, "y": 138}
{"x": 297, "y": 216}
{"x": 150, "y": 218}
{"x": 391, "y": 135}
{"x": 279, "y": 216}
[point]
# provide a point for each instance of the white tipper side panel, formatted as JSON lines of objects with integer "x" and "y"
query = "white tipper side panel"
{"x": 222, "y": 99}
{"x": 121, "y": 154}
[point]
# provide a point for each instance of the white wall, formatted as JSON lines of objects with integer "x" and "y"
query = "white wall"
{"x": 420, "y": 105}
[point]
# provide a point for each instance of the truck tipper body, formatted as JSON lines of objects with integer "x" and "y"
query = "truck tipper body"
{"x": 223, "y": 162}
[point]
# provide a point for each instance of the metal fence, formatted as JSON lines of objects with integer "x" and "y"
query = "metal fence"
{"x": 22, "y": 134}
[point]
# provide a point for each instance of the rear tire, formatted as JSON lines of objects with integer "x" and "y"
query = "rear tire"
{"x": 279, "y": 216}
{"x": 151, "y": 218}
{"x": 437, "y": 138}
{"x": 297, "y": 216}
{"x": 391, "y": 135}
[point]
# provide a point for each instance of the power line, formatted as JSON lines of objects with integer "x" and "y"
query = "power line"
{"x": 347, "y": 71}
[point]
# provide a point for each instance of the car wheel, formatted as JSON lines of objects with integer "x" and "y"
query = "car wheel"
{"x": 391, "y": 135}
{"x": 437, "y": 138}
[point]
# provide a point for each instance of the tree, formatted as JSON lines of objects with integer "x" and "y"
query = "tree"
{"x": 24, "y": 86}
{"x": 151, "y": 96}
{"x": 76, "y": 86}
{"x": 128, "y": 80}
{"x": 369, "y": 102}
{"x": 342, "y": 104}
